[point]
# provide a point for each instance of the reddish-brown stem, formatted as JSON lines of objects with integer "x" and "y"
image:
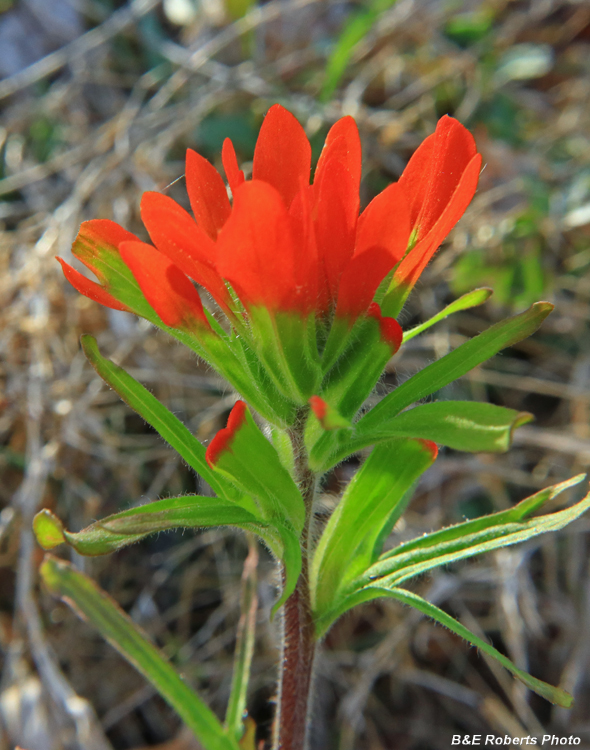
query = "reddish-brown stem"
{"x": 298, "y": 647}
{"x": 296, "y": 670}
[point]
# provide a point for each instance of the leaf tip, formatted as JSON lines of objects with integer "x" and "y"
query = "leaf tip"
{"x": 566, "y": 700}
{"x": 89, "y": 345}
{"x": 523, "y": 417}
{"x": 543, "y": 308}
{"x": 48, "y": 529}
{"x": 50, "y": 572}
{"x": 486, "y": 292}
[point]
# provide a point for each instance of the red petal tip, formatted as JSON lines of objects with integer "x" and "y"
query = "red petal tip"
{"x": 391, "y": 331}
{"x": 235, "y": 176}
{"x": 90, "y": 289}
{"x": 431, "y": 447}
{"x": 222, "y": 441}
{"x": 319, "y": 407}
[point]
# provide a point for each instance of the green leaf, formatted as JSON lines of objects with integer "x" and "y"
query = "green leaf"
{"x": 466, "y": 540}
{"x": 355, "y": 30}
{"x": 129, "y": 526}
{"x": 552, "y": 694}
{"x": 354, "y": 374}
{"x": 371, "y": 505}
{"x": 286, "y": 344}
{"x": 455, "y": 543}
{"x": 227, "y": 356}
{"x": 245, "y": 456}
{"x": 157, "y": 415}
{"x": 125, "y": 528}
{"x": 123, "y": 634}
{"x": 458, "y": 362}
{"x": 463, "y": 540}
{"x": 466, "y": 302}
{"x": 434, "y": 377}
{"x": 236, "y": 707}
{"x": 467, "y": 426}
{"x": 260, "y": 385}
{"x": 462, "y": 425}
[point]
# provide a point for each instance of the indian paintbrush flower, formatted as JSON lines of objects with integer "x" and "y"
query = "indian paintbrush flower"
{"x": 305, "y": 282}
{"x": 301, "y": 294}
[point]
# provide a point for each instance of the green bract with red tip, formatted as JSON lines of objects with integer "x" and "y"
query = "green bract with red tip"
{"x": 292, "y": 265}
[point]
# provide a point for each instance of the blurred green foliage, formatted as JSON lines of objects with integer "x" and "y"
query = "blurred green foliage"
{"x": 503, "y": 118}
{"x": 355, "y": 30}
{"x": 44, "y": 136}
{"x": 514, "y": 267}
{"x": 241, "y": 126}
{"x": 469, "y": 28}
{"x": 238, "y": 8}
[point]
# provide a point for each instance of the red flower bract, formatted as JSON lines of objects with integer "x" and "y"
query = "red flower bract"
{"x": 283, "y": 244}
{"x": 223, "y": 438}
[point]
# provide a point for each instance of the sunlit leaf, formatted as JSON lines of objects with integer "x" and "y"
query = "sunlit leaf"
{"x": 466, "y": 302}
{"x": 434, "y": 377}
{"x": 467, "y": 426}
{"x": 372, "y": 503}
{"x": 129, "y": 526}
{"x": 467, "y": 540}
{"x": 121, "y": 529}
{"x": 158, "y": 416}
{"x": 246, "y": 634}
{"x": 124, "y": 635}
{"x": 552, "y": 694}
{"x": 458, "y": 362}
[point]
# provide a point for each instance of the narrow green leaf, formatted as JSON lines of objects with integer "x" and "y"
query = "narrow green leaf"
{"x": 518, "y": 513}
{"x": 458, "y": 362}
{"x": 129, "y": 526}
{"x": 358, "y": 368}
{"x": 371, "y": 505}
{"x": 552, "y": 694}
{"x": 395, "y": 568}
{"x": 236, "y": 707}
{"x": 434, "y": 377}
{"x": 285, "y": 343}
{"x": 355, "y": 30}
{"x": 125, "y": 528}
{"x": 158, "y": 416}
{"x": 256, "y": 382}
{"x": 123, "y": 634}
{"x": 466, "y": 302}
{"x": 462, "y": 425}
{"x": 405, "y": 558}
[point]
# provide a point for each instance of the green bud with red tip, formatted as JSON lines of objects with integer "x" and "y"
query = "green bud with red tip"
{"x": 244, "y": 455}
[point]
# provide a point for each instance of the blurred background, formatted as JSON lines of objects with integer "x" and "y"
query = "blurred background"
{"x": 99, "y": 100}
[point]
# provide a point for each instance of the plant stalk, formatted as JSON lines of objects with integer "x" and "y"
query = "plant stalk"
{"x": 298, "y": 643}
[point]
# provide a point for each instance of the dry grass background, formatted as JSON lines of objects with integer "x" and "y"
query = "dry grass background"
{"x": 105, "y": 114}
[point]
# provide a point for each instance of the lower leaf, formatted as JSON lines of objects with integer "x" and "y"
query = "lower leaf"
{"x": 98, "y": 608}
{"x": 122, "y": 529}
{"x": 552, "y": 694}
{"x": 129, "y": 526}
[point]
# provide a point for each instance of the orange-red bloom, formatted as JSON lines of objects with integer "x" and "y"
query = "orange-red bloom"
{"x": 282, "y": 246}
{"x": 291, "y": 246}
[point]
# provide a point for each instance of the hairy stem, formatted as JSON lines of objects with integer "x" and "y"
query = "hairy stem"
{"x": 298, "y": 647}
